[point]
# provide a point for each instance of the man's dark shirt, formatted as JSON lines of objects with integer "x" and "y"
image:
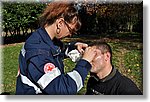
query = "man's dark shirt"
{"x": 114, "y": 84}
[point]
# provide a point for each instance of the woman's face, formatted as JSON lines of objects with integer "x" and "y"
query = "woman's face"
{"x": 69, "y": 29}
{"x": 66, "y": 30}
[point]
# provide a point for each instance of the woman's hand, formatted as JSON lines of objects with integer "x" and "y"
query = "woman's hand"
{"x": 81, "y": 47}
{"x": 89, "y": 54}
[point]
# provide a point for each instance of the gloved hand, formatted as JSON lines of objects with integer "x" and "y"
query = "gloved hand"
{"x": 74, "y": 55}
{"x": 81, "y": 47}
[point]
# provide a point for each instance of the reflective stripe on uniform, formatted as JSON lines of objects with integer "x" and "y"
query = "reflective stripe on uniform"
{"x": 23, "y": 51}
{"x": 48, "y": 77}
{"x": 77, "y": 78}
{"x": 25, "y": 80}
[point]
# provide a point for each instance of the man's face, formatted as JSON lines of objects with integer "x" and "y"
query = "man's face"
{"x": 99, "y": 62}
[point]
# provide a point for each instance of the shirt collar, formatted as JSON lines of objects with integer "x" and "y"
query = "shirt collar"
{"x": 110, "y": 76}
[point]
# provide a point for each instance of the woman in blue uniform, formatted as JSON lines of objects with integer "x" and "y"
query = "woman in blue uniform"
{"x": 41, "y": 69}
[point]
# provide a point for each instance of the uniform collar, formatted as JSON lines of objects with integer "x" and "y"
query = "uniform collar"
{"x": 46, "y": 38}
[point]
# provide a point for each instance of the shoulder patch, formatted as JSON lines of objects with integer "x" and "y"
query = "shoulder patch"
{"x": 48, "y": 67}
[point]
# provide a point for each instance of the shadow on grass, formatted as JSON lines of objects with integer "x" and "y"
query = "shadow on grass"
{"x": 5, "y": 93}
{"x": 14, "y": 39}
{"x": 128, "y": 40}
{"x": 127, "y": 36}
{"x": 121, "y": 36}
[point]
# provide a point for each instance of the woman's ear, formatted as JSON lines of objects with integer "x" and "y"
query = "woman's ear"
{"x": 74, "y": 20}
{"x": 59, "y": 22}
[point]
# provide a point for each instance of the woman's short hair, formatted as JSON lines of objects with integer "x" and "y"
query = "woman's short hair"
{"x": 103, "y": 46}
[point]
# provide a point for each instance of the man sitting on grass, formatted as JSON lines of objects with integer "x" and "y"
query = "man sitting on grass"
{"x": 105, "y": 78}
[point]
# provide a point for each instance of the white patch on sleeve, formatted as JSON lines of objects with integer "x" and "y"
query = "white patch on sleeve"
{"x": 25, "y": 80}
{"x": 77, "y": 78}
{"x": 48, "y": 77}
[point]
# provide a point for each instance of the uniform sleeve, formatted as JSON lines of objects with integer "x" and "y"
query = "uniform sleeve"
{"x": 44, "y": 72}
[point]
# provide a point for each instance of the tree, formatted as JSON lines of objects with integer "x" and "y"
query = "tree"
{"x": 20, "y": 17}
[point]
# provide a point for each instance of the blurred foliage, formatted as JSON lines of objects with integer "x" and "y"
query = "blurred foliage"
{"x": 111, "y": 17}
{"x": 19, "y": 17}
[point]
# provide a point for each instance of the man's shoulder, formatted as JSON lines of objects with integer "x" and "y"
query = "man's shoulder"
{"x": 126, "y": 85}
{"x": 122, "y": 79}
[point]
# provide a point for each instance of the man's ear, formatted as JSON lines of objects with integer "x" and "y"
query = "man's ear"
{"x": 107, "y": 56}
{"x": 59, "y": 22}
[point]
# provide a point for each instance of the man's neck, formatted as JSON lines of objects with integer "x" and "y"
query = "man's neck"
{"x": 105, "y": 71}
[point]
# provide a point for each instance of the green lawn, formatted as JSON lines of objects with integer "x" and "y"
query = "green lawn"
{"x": 10, "y": 64}
{"x": 127, "y": 57}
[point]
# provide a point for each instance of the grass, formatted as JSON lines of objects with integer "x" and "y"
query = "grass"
{"x": 10, "y": 64}
{"x": 127, "y": 57}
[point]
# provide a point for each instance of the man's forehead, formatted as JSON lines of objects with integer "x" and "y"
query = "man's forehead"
{"x": 98, "y": 54}
{"x": 93, "y": 47}
{"x": 97, "y": 49}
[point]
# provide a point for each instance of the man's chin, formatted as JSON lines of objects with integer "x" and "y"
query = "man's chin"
{"x": 92, "y": 70}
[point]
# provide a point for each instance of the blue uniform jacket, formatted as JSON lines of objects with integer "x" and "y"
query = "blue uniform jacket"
{"x": 41, "y": 70}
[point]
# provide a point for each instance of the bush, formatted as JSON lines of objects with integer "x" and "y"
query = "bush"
{"x": 19, "y": 17}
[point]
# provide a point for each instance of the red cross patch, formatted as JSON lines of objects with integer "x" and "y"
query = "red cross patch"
{"x": 48, "y": 67}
